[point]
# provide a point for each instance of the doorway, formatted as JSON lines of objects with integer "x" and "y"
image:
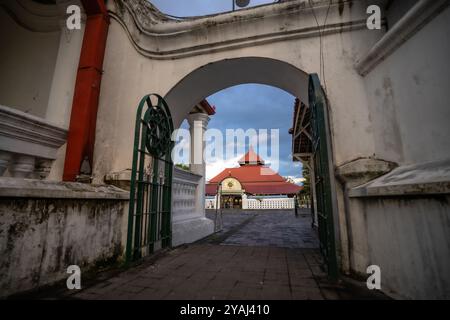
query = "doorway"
{"x": 231, "y": 202}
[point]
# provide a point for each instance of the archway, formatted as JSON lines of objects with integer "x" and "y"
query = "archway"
{"x": 216, "y": 76}
{"x": 222, "y": 74}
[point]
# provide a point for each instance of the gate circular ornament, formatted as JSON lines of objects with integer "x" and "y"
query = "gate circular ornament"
{"x": 158, "y": 137}
{"x": 158, "y": 129}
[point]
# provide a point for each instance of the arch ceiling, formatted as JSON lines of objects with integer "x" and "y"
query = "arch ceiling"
{"x": 219, "y": 75}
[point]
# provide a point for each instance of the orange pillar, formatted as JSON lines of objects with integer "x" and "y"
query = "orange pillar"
{"x": 81, "y": 136}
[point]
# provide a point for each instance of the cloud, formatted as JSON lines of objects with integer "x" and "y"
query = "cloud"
{"x": 297, "y": 180}
{"x": 213, "y": 169}
{"x": 255, "y": 106}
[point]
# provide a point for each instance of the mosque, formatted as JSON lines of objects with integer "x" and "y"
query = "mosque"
{"x": 252, "y": 185}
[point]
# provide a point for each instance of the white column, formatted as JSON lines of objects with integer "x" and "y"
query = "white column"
{"x": 198, "y": 123}
{"x": 64, "y": 76}
{"x": 62, "y": 89}
{"x": 218, "y": 200}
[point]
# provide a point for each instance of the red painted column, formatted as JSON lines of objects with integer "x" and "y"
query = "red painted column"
{"x": 81, "y": 136}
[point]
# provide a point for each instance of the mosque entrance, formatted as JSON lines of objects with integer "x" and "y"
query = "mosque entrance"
{"x": 231, "y": 202}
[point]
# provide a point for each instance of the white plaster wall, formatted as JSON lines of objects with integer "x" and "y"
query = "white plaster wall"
{"x": 59, "y": 108}
{"x": 129, "y": 76}
{"x": 397, "y": 9}
{"x": 409, "y": 97}
{"x": 409, "y": 240}
{"x": 26, "y": 66}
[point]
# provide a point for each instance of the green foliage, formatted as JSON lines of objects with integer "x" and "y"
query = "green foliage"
{"x": 183, "y": 166}
{"x": 307, "y": 183}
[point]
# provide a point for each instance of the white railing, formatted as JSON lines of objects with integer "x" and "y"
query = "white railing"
{"x": 268, "y": 203}
{"x": 28, "y": 144}
{"x": 258, "y": 204}
{"x": 184, "y": 194}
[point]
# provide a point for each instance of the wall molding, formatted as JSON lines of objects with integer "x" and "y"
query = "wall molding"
{"x": 26, "y": 134}
{"x": 160, "y": 37}
{"x": 411, "y": 23}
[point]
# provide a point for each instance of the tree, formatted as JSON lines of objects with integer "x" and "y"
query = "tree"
{"x": 182, "y": 166}
{"x": 305, "y": 193}
{"x": 307, "y": 182}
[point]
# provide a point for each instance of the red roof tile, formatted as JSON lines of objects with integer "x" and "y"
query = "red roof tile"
{"x": 210, "y": 110}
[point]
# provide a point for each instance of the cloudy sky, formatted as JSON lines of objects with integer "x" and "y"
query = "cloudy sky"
{"x": 186, "y": 8}
{"x": 249, "y": 106}
{"x": 259, "y": 107}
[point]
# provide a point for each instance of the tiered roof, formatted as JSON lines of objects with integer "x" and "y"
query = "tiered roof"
{"x": 255, "y": 177}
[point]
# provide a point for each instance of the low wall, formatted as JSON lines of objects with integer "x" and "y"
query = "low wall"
{"x": 410, "y": 241}
{"x": 188, "y": 224}
{"x": 46, "y": 227}
{"x": 401, "y": 222}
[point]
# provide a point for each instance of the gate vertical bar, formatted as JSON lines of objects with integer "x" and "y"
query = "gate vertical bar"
{"x": 321, "y": 160}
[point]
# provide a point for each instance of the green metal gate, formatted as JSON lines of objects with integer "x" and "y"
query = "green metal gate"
{"x": 321, "y": 155}
{"x": 149, "y": 219}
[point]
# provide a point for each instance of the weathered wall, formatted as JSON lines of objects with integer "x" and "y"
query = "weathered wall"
{"x": 397, "y": 9}
{"x": 401, "y": 222}
{"x": 408, "y": 97}
{"x": 41, "y": 237}
{"x": 409, "y": 239}
{"x": 27, "y": 66}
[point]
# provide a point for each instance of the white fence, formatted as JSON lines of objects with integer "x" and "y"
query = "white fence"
{"x": 257, "y": 204}
{"x": 268, "y": 203}
{"x": 183, "y": 194}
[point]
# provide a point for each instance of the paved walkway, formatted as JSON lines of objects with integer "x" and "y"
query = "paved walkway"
{"x": 206, "y": 271}
{"x": 258, "y": 255}
{"x": 273, "y": 228}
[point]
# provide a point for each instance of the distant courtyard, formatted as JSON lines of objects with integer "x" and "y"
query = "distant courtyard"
{"x": 272, "y": 228}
